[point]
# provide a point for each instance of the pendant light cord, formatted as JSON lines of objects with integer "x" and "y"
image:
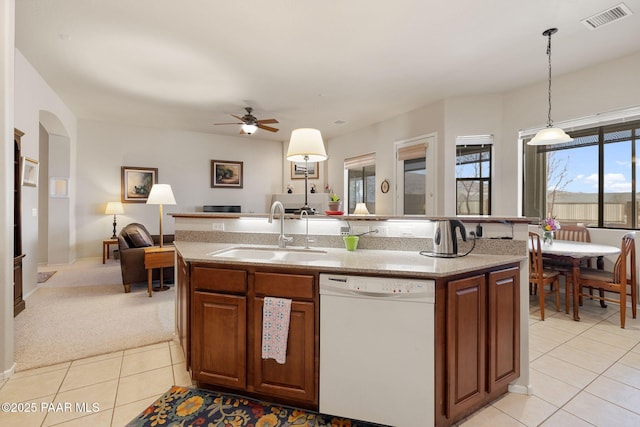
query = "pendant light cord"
{"x": 549, "y": 33}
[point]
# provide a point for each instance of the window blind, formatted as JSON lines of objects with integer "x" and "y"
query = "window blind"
{"x": 416, "y": 151}
{"x": 360, "y": 161}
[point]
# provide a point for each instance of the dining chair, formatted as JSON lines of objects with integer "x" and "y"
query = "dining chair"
{"x": 574, "y": 233}
{"x": 621, "y": 281}
{"x": 539, "y": 277}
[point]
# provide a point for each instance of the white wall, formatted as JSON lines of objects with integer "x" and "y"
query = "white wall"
{"x": 606, "y": 87}
{"x": 7, "y": 28}
{"x": 609, "y": 86}
{"x": 380, "y": 138}
{"x": 32, "y": 97}
{"x": 183, "y": 160}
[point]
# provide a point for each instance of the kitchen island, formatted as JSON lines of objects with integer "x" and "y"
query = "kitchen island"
{"x": 477, "y": 317}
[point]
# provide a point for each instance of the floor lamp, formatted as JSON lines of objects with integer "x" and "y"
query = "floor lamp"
{"x": 161, "y": 194}
{"x": 114, "y": 208}
{"x": 306, "y": 146}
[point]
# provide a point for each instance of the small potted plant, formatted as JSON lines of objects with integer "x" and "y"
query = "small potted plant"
{"x": 334, "y": 202}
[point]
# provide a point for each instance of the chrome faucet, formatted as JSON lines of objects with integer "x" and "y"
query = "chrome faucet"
{"x": 282, "y": 239}
{"x": 304, "y": 213}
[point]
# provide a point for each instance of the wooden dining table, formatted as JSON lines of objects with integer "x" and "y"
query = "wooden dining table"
{"x": 573, "y": 253}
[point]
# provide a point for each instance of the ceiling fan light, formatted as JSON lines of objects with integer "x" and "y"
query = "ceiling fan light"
{"x": 549, "y": 136}
{"x": 249, "y": 128}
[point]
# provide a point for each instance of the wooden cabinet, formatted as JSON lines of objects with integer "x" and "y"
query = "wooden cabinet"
{"x": 219, "y": 339}
{"x": 479, "y": 352}
{"x": 295, "y": 379}
{"x": 503, "y": 334}
{"x": 226, "y": 333}
{"x": 466, "y": 343}
{"x": 183, "y": 308}
{"x": 18, "y": 301}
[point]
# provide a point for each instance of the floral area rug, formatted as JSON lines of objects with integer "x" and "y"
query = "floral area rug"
{"x": 182, "y": 406}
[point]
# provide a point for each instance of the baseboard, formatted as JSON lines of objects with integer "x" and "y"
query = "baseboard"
{"x": 9, "y": 372}
{"x": 521, "y": 389}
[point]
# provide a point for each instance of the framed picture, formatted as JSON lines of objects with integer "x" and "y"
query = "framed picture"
{"x": 58, "y": 187}
{"x": 226, "y": 174}
{"x": 137, "y": 183}
{"x": 29, "y": 176}
{"x": 297, "y": 170}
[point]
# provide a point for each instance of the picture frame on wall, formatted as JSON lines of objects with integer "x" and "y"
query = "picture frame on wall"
{"x": 29, "y": 176}
{"x": 136, "y": 183}
{"x": 297, "y": 170}
{"x": 226, "y": 174}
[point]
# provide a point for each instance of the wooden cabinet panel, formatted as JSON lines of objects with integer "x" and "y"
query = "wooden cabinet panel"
{"x": 296, "y": 286}
{"x": 218, "y": 279}
{"x": 504, "y": 329}
{"x": 466, "y": 346}
{"x": 219, "y": 332}
{"x": 295, "y": 379}
{"x": 183, "y": 308}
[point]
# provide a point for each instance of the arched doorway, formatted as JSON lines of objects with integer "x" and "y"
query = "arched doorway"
{"x": 54, "y": 196}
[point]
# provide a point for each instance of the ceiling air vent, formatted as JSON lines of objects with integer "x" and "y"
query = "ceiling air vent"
{"x": 607, "y": 16}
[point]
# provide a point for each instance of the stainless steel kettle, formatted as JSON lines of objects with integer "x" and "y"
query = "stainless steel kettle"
{"x": 445, "y": 241}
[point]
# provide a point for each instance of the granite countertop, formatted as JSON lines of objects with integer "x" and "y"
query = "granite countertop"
{"x": 371, "y": 217}
{"x": 339, "y": 260}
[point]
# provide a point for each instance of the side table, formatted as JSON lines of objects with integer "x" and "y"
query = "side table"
{"x": 157, "y": 257}
{"x": 105, "y": 248}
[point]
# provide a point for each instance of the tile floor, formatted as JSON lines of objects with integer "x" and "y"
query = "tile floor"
{"x": 583, "y": 373}
{"x": 122, "y": 384}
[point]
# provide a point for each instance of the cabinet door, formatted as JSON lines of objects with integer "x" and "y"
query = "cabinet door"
{"x": 466, "y": 345}
{"x": 504, "y": 329}
{"x": 182, "y": 307}
{"x": 218, "y": 332}
{"x": 296, "y": 378}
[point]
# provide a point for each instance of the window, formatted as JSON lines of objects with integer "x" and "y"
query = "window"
{"x": 412, "y": 164}
{"x": 361, "y": 182}
{"x": 415, "y": 186}
{"x": 590, "y": 180}
{"x": 473, "y": 179}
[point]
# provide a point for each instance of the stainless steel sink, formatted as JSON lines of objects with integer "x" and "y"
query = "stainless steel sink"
{"x": 269, "y": 254}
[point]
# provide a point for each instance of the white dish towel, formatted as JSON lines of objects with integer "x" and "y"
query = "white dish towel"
{"x": 276, "y": 313}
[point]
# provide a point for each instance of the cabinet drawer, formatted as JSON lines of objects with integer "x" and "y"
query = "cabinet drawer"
{"x": 284, "y": 285}
{"x": 220, "y": 280}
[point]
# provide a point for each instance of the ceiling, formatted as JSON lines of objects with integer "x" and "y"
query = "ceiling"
{"x": 334, "y": 65}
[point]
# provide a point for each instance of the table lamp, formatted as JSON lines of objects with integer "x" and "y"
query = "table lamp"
{"x": 306, "y": 146}
{"x": 361, "y": 209}
{"x": 114, "y": 208}
{"x": 161, "y": 194}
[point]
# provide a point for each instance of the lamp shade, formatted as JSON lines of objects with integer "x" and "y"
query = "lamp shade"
{"x": 161, "y": 194}
{"x": 114, "y": 208}
{"x": 549, "y": 135}
{"x": 249, "y": 128}
{"x": 306, "y": 145}
{"x": 361, "y": 209}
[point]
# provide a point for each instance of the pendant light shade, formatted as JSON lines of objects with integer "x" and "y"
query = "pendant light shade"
{"x": 550, "y": 135}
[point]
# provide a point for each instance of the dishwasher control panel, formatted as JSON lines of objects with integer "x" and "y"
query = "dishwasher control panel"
{"x": 377, "y": 286}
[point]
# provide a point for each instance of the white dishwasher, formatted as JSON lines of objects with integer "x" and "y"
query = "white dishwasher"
{"x": 377, "y": 349}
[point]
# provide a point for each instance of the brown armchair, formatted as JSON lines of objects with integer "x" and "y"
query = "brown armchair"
{"x": 132, "y": 240}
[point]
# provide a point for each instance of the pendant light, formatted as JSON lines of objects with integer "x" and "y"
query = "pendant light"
{"x": 550, "y": 135}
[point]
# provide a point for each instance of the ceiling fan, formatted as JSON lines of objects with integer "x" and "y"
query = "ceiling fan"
{"x": 250, "y": 123}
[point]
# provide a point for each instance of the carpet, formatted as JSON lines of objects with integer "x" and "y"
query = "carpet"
{"x": 181, "y": 406}
{"x": 83, "y": 311}
{"x": 43, "y": 276}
